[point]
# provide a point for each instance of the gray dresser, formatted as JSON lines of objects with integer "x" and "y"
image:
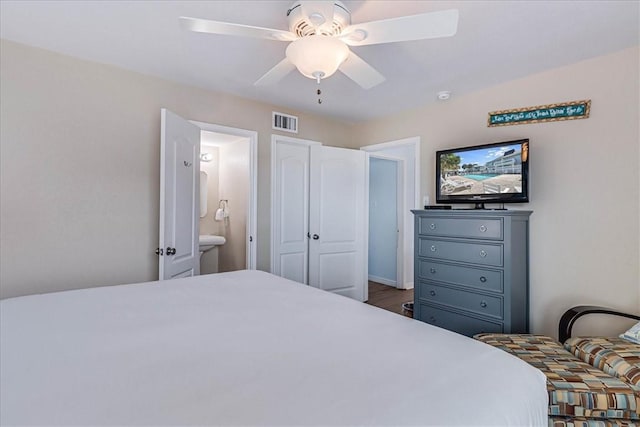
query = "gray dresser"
{"x": 472, "y": 270}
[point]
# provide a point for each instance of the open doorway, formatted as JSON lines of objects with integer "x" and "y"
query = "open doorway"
{"x": 386, "y": 257}
{"x": 224, "y": 197}
{"x": 385, "y": 220}
{"x": 228, "y": 214}
{"x": 180, "y": 242}
{"x": 383, "y": 292}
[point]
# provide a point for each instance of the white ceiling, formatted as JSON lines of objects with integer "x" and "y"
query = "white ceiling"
{"x": 496, "y": 41}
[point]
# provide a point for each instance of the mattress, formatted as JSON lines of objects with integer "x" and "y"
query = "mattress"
{"x": 247, "y": 348}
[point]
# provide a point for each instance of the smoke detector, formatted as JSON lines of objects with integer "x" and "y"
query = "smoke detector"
{"x": 443, "y": 95}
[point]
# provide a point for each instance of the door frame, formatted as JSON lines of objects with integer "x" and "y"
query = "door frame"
{"x": 252, "y": 209}
{"x": 275, "y": 139}
{"x": 386, "y": 148}
{"x": 400, "y": 203}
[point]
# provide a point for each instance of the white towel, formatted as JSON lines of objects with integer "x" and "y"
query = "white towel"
{"x": 219, "y": 215}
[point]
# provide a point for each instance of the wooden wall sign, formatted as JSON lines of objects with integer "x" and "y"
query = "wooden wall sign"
{"x": 541, "y": 113}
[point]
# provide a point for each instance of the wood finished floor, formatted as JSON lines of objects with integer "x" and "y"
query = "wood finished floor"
{"x": 388, "y": 297}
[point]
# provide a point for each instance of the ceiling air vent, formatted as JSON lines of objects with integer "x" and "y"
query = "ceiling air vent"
{"x": 285, "y": 122}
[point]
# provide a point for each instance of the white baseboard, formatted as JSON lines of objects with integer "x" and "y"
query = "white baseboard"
{"x": 383, "y": 280}
{"x": 408, "y": 285}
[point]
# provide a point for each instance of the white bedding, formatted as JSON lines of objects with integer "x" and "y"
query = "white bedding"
{"x": 247, "y": 348}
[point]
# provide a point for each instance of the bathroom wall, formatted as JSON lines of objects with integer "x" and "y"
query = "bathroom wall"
{"x": 234, "y": 187}
{"x": 207, "y": 224}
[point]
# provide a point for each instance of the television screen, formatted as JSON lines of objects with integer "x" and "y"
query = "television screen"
{"x": 490, "y": 173}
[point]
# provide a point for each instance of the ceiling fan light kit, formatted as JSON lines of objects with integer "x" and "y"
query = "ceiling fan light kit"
{"x": 317, "y": 57}
{"x": 321, "y": 32}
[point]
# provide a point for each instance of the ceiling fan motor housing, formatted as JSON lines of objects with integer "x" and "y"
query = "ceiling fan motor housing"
{"x": 303, "y": 25}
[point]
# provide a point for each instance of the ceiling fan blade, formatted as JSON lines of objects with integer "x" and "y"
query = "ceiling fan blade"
{"x": 227, "y": 28}
{"x": 320, "y": 13}
{"x": 360, "y": 72}
{"x": 415, "y": 27}
{"x": 277, "y": 73}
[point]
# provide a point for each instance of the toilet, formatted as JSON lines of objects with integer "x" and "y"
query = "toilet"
{"x": 209, "y": 248}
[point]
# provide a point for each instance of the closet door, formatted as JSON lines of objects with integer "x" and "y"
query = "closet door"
{"x": 291, "y": 210}
{"x": 338, "y": 221}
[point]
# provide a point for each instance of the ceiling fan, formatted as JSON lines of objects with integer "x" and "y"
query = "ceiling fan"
{"x": 320, "y": 33}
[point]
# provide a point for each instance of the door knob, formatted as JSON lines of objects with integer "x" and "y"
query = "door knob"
{"x": 159, "y": 251}
{"x": 316, "y": 237}
{"x": 171, "y": 251}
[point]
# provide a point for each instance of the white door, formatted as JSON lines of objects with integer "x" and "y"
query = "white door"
{"x": 338, "y": 221}
{"x": 290, "y": 210}
{"x": 179, "y": 197}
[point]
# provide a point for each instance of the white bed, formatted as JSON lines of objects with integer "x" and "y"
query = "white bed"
{"x": 247, "y": 348}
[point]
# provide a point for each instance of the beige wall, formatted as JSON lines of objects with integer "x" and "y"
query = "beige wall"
{"x": 80, "y": 154}
{"x": 207, "y": 223}
{"x": 584, "y": 192}
{"x": 234, "y": 187}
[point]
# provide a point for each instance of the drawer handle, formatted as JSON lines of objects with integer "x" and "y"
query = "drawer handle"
{"x": 432, "y": 319}
{"x": 483, "y": 279}
{"x": 483, "y": 254}
{"x": 432, "y": 226}
{"x": 483, "y": 228}
{"x": 433, "y": 248}
{"x": 432, "y": 293}
{"x": 483, "y": 304}
{"x": 432, "y": 270}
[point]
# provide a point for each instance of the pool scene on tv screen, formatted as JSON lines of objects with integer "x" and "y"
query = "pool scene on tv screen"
{"x": 493, "y": 170}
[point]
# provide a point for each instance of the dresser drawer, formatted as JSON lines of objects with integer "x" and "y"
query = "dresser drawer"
{"x": 479, "y": 278}
{"x": 476, "y": 253}
{"x": 456, "y": 322}
{"x": 470, "y": 301}
{"x": 478, "y": 228}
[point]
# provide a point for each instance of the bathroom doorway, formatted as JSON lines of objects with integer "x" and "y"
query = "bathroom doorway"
{"x": 228, "y": 200}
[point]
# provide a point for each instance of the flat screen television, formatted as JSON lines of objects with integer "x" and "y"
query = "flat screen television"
{"x": 489, "y": 173}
